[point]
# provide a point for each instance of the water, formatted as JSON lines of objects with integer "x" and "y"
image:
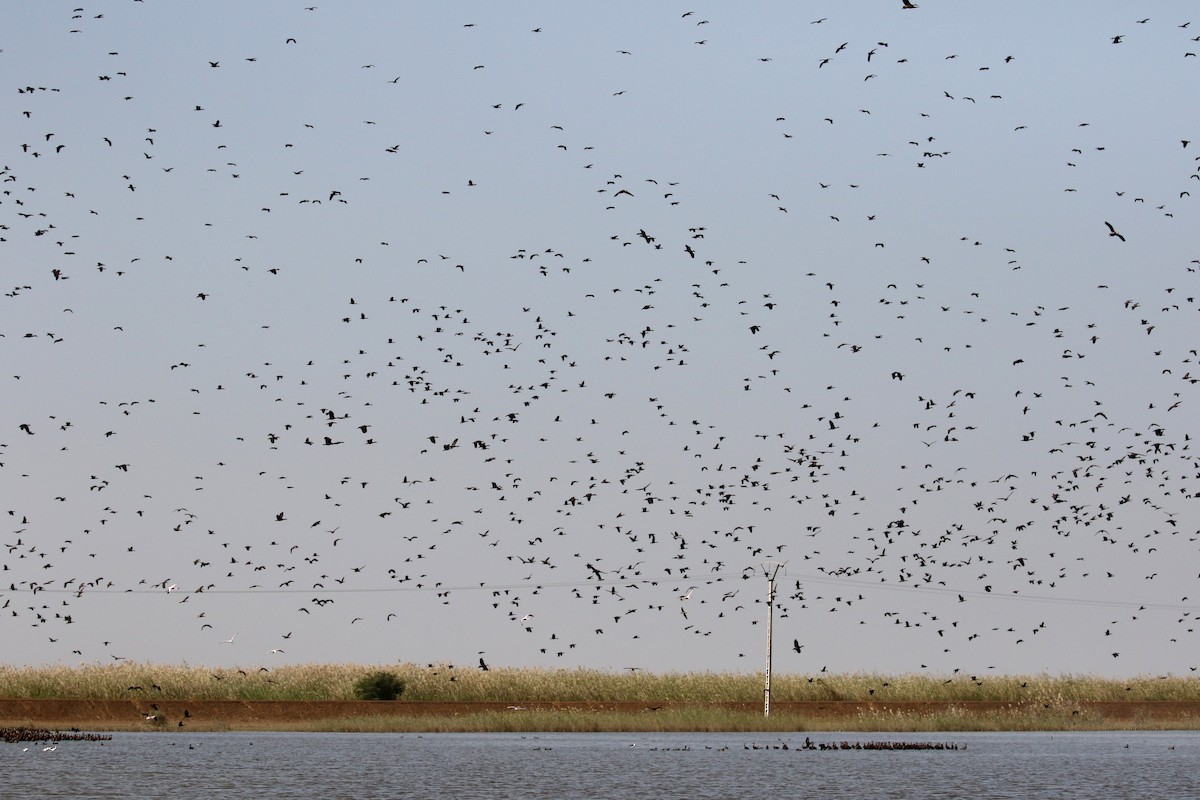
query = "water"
{"x": 1105, "y": 766}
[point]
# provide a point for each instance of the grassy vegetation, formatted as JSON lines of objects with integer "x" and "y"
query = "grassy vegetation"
{"x": 672, "y": 701}
{"x": 447, "y": 683}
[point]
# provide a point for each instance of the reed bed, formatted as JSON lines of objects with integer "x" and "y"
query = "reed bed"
{"x": 450, "y": 683}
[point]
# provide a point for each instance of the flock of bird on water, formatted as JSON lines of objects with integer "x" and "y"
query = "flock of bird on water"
{"x": 593, "y": 443}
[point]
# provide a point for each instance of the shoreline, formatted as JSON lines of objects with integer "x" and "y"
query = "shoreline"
{"x": 465, "y": 716}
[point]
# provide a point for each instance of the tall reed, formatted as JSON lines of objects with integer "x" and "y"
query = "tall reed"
{"x": 450, "y": 683}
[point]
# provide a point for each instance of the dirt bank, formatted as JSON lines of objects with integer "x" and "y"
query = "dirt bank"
{"x": 201, "y": 715}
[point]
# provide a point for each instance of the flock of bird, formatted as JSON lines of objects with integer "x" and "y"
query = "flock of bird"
{"x": 547, "y": 339}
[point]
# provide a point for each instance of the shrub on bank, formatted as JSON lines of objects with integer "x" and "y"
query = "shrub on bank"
{"x": 379, "y": 686}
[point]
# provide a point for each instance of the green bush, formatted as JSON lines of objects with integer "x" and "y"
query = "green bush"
{"x": 379, "y": 686}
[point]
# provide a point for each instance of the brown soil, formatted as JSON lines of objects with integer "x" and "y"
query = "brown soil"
{"x": 252, "y": 714}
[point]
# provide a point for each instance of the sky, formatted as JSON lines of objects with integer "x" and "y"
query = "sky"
{"x": 543, "y": 333}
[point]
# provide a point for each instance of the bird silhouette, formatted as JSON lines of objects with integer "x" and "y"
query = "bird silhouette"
{"x": 533, "y": 412}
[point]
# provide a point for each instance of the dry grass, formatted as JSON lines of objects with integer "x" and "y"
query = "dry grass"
{"x": 675, "y": 701}
{"x": 447, "y": 683}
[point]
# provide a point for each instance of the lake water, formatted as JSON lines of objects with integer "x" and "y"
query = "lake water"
{"x": 1105, "y": 766}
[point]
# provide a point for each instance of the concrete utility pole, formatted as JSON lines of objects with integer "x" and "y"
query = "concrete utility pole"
{"x": 770, "y": 570}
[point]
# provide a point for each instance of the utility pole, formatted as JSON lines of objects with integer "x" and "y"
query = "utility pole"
{"x": 770, "y": 570}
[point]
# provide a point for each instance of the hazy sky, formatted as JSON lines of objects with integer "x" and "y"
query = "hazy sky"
{"x": 373, "y": 331}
